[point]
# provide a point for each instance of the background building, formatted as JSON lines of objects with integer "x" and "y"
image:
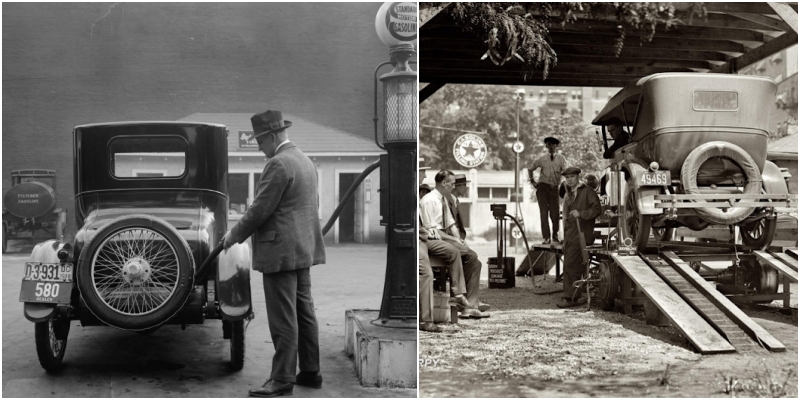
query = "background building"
{"x": 67, "y": 64}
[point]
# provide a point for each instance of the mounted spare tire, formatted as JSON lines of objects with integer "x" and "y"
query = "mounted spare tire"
{"x": 136, "y": 272}
{"x": 736, "y": 154}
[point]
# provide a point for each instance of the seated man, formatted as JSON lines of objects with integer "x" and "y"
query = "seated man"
{"x": 438, "y": 220}
{"x": 621, "y": 138}
{"x": 425, "y": 286}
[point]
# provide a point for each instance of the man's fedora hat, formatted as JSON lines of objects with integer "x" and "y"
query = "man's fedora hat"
{"x": 571, "y": 171}
{"x": 267, "y": 122}
{"x": 461, "y": 179}
{"x": 551, "y": 139}
{"x": 422, "y": 166}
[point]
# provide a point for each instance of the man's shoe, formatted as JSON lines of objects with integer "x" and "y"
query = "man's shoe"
{"x": 310, "y": 379}
{"x": 555, "y": 239}
{"x": 566, "y": 303}
{"x": 483, "y": 306}
{"x": 272, "y": 388}
{"x": 430, "y": 327}
{"x": 546, "y": 241}
{"x": 461, "y": 302}
{"x": 473, "y": 313}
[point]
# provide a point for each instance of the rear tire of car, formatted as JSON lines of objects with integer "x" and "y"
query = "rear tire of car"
{"x": 237, "y": 344}
{"x": 49, "y": 348}
{"x": 139, "y": 258}
{"x": 638, "y": 225}
{"x": 759, "y": 234}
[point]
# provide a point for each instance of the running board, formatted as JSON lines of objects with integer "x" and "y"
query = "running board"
{"x": 783, "y": 267}
{"x": 723, "y": 313}
{"x": 693, "y": 327}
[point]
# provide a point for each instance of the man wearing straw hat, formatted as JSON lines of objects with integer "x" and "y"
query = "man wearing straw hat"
{"x": 287, "y": 241}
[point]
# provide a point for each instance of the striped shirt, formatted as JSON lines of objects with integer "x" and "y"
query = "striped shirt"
{"x": 551, "y": 170}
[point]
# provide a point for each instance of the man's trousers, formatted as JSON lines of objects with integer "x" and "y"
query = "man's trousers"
{"x": 292, "y": 323}
{"x": 547, "y": 197}
{"x": 472, "y": 270}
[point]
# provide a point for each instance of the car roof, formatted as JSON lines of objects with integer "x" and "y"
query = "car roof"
{"x": 629, "y": 95}
{"x": 124, "y": 123}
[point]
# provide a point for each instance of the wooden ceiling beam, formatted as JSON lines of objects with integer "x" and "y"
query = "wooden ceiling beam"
{"x": 632, "y": 61}
{"x": 640, "y": 52}
{"x": 680, "y": 31}
{"x": 490, "y": 80}
{"x": 751, "y": 8}
{"x": 487, "y": 66}
{"x": 766, "y": 22}
{"x": 786, "y": 13}
{"x": 780, "y": 43}
{"x": 430, "y": 89}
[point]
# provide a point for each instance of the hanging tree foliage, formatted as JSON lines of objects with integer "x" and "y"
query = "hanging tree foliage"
{"x": 520, "y": 30}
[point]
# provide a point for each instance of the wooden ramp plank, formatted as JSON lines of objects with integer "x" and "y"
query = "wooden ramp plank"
{"x": 792, "y": 252}
{"x": 777, "y": 264}
{"x": 702, "y": 335}
{"x": 726, "y": 306}
{"x": 789, "y": 261}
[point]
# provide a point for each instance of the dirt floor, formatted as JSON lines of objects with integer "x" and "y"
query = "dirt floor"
{"x": 531, "y": 348}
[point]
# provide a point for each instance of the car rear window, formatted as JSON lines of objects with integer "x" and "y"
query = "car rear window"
{"x": 708, "y": 100}
{"x": 148, "y": 156}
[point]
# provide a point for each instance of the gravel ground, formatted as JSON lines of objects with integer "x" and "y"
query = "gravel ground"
{"x": 531, "y": 348}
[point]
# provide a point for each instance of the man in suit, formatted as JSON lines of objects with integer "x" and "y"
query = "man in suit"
{"x": 459, "y": 190}
{"x": 287, "y": 240}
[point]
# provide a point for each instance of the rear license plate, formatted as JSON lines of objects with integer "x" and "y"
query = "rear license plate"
{"x": 46, "y": 283}
{"x": 654, "y": 178}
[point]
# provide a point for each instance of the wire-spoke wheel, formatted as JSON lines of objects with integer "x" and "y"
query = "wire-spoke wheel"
{"x": 51, "y": 343}
{"x": 638, "y": 225}
{"x": 136, "y": 272}
{"x": 759, "y": 234}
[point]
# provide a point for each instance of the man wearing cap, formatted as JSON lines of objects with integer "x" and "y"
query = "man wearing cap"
{"x": 581, "y": 206}
{"x": 552, "y": 165}
{"x": 287, "y": 240}
{"x": 438, "y": 220}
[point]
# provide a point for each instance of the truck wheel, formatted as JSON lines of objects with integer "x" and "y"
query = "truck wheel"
{"x": 759, "y": 234}
{"x": 638, "y": 225}
{"x": 49, "y": 347}
{"x": 136, "y": 272}
{"x": 237, "y": 345}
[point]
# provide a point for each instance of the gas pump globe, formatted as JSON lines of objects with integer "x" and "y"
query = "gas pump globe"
{"x": 396, "y": 25}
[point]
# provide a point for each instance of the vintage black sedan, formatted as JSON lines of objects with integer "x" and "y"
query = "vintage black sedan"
{"x": 151, "y": 208}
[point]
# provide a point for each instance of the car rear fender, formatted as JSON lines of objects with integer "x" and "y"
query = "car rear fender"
{"x": 645, "y": 195}
{"x": 39, "y": 312}
{"x": 773, "y": 179}
{"x": 233, "y": 282}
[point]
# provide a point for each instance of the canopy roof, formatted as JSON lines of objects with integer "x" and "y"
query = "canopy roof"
{"x": 733, "y": 36}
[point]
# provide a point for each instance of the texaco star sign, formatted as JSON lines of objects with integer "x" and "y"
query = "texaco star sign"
{"x": 469, "y": 150}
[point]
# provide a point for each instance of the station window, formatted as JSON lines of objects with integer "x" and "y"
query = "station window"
{"x": 484, "y": 193}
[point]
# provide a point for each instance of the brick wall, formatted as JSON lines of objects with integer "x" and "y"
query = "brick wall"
{"x": 78, "y": 63}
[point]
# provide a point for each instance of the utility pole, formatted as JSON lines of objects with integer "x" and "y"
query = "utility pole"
{"x": 519, "y": 95}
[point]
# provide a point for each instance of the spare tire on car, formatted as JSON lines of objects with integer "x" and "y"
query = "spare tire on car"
{"x": 136, "y": 272}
